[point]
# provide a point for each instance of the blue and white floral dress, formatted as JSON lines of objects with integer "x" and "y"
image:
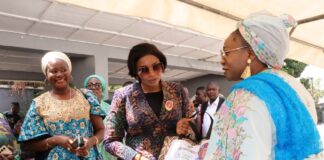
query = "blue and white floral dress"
{"x": 48, "y": 116}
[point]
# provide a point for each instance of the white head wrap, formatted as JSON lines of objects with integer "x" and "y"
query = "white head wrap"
{"x": 50, "y": 56}
{"x": 267, "y": 36}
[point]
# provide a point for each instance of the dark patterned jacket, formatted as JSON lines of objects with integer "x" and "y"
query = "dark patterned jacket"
{"x": 131, "y": 115}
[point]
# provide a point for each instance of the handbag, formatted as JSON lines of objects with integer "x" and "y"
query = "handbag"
{"x": 176, "y": 148}
{"x": 183, "y": 148}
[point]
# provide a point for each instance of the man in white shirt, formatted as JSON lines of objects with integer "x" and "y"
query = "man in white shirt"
{"x": 208, "y": 109}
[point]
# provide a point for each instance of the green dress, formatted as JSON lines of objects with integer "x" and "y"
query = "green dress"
{"x": 101, "y": 148}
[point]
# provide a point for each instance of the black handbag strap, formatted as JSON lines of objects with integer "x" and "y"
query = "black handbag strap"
{"x": 195, "y": 130}
{"x": 220, "y": 102}
{"x": 210, "y": 126}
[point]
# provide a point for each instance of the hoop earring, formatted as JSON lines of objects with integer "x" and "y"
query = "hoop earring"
{"x": 247, "y": 71}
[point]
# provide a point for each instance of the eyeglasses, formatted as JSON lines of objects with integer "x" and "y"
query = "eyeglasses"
{"x": 157, "y": 67}
{"x": 226, "y": 53}
{"x": 94, "y": 85}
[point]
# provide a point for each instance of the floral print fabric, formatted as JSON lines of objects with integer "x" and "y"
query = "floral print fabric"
{"x": 49, "y": 116}
{"x": 240, "y": 118}
{"x": 231, "y": 117}
{"x": 245, "y": 128}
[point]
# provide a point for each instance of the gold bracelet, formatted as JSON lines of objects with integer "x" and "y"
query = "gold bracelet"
{"x": 97, "y": 140}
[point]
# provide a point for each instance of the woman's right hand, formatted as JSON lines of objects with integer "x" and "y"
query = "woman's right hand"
{"x": 66, "y": 142}
{"x": 143, "y": 158}
{"x": 183, "y": 127}
{"x": 139, "y": 157}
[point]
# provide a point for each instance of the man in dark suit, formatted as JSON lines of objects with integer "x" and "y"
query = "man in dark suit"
{"x": 208, "y": 109}
{"x": 201, "y": 97}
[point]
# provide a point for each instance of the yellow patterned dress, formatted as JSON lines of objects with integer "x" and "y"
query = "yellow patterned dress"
{"x": 48, "y": 116}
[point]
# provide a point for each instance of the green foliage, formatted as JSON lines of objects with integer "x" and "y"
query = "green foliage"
{"x": 306, "y": 82}
{"x": 314, "y": 88}
{"x": 294, "y": 68}
{"x": 316, "y": 92}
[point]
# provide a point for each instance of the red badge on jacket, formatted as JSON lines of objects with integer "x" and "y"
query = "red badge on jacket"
{"x": 169, "y": 105}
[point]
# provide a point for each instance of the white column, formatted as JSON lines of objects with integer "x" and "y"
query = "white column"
{"x": 101, "y": 68}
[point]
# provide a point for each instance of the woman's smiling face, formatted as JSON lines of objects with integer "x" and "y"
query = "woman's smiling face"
{"x": 58, "y": 74}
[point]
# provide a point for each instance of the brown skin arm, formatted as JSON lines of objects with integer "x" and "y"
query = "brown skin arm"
{"x": 98, "y": 126}
{"x": 99, "y": 129}
{"x": 34, "y": 146}
{"x": 66, "y": 142}
{"x": 48, "y": 143}
{"x": 183, "y": 127}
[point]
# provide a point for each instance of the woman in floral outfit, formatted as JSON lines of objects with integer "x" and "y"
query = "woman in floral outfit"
{"x": 57, "y": 117}
{"x": 267, "y": 115}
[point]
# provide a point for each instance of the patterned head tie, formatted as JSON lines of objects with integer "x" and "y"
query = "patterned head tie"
{"x": 268, "y": 37}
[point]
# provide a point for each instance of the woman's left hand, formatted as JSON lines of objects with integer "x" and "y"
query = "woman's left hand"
{"x": 84, "y": 150}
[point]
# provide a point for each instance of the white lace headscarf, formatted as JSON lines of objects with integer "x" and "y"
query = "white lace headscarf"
{"x": 50, "y": 56}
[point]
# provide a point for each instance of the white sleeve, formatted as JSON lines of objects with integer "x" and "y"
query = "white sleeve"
{"x": 244, "y": 129}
